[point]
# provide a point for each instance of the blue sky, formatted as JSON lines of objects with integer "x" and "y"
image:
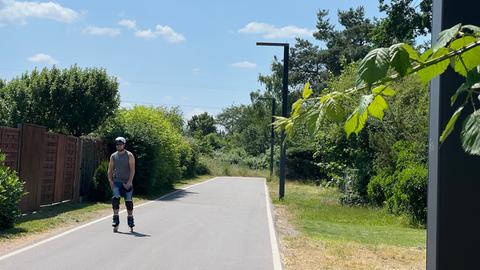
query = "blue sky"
{"x": 200, "y": 55}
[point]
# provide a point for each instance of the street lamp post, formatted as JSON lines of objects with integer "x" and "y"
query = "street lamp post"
{"x": 286, "y": 49}
{"x": 272, "y": 134}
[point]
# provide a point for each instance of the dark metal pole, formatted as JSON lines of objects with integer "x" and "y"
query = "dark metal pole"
{"x": 286, "y": 50}
{"x": 272, "y": 138}
{"x": 453, "y": 220}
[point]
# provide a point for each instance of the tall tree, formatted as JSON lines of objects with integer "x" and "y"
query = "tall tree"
{"x": 347, "y": 45}
{"x": 404, "y": 22}
{"x": 202, "y": 124}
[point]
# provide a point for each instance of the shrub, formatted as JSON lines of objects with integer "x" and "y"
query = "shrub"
{"x": 11, "y": 191}
{"x": 202, "y": 169}
{"x": 410, "y": 193}
{"x": 301, "y": 164}
{"x": 155, "y": 143}
{"x": 100, "y": 189}
{"x": 380, "y": 188}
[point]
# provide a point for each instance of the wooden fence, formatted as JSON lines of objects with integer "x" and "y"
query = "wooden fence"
{"x": 53, "y": 166}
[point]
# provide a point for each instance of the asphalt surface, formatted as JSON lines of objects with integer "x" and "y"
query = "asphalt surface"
{"x": 221, "y": 224}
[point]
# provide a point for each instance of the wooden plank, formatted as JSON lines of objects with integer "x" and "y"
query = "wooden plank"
{"x": 69, "y": 167}
{"x": 31, "y": 153}
{"x": 49, "y": 167}
{"x": 77, "y": 171}
{"x": 60, "y": 167}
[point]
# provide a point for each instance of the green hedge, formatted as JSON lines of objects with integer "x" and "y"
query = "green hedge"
{"x": 162, "y": 155}
{"x": 11, "y": 191}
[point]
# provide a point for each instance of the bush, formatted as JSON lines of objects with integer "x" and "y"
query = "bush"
{"x": 410, "y": 193}
{"x": 301, "y": 164}
{"x": 160, "y": 151}
{"x": 380, "y": 188}
{"x": 188, "y": 159}
{"x": 100, "y": 189}
{"x": 202, "y": 169}
{"x": 11, "y": 191}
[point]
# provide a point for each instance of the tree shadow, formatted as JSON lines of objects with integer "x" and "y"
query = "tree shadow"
{"x": 49, "y": 211}
{"x": 9, "y": 233}
{"x": 177, "y": 194}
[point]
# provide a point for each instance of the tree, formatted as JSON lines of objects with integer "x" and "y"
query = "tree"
{"x": 347, "y": 45}
{"x": 202, "y": 124}
{"x": 74, "y": 101}
{"x": 403, "y": 22}
{"x": 457, "y": 47}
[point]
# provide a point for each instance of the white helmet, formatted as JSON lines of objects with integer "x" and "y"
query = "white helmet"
{"x": 121, "y": 139}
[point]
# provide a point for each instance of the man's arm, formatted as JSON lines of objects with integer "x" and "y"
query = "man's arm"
{"x": 131, "y": 163}
{"x": 110, "y": 172}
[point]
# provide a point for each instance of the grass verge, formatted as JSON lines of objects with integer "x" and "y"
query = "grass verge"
{"x": 316, "y": 232}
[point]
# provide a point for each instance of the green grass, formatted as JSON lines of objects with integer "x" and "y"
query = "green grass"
{"x": 219, "y": 168}
{"x": 320, "y": 216}
{"x": 67, "y": 214}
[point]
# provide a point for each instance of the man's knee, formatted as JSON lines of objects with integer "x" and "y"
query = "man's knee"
{"x": 129, "y": 205}
{"x": 116, "y": 203}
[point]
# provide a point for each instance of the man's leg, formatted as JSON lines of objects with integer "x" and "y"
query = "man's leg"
{"x": 129, "y": 206}
{"x": 115, "y": 205}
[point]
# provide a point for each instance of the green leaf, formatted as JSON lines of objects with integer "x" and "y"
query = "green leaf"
{"x": 296, "y": 107}
{"x": 411, "y": 52}
{"x": 470, "y": 135}
{"x": 445, "y": 37}
{"x": 383, "y": 90}
{"x": 307, "y": 91}
{"x": 365, "y": 101}
{"x": 426, "y": 55}
{"x": 473, "y": 77}
{"x": 472, "y": 29}
{"x": 428, "y": 73}
{"x": 331, "y": 107}
{"x": 377, "y": 107}
{"x": 374, "y": 66}
{"x": 356, "y": 121}
{"x": 470, "y": 58}
{"x": 450, "y": 125}
{"x": 400, "y": 59}
{"x": 311, "y": 117}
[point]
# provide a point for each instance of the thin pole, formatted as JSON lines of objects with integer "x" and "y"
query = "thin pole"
{"x": 284, "y": 114}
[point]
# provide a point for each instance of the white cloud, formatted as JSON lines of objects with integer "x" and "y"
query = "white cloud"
{"x": 130, "y": 24}
{"x": 101, "y": 31}
{"x": 168, "y": 33}
{"x": 43, "y": 58}
{"x": 17, "y": 12}
{"x": 161, "y": 31}
{"x": 145, "y": 33}
{"x": 244, "y": 64}
{"x": 269, "y": 31}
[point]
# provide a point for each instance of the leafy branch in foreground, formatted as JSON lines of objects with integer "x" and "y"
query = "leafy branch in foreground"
{"x": 457, "y": 47}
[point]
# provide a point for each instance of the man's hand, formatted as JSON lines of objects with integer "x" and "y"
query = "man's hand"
{"x": 111, "y": 184}
{"x": 127, "y": 185}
